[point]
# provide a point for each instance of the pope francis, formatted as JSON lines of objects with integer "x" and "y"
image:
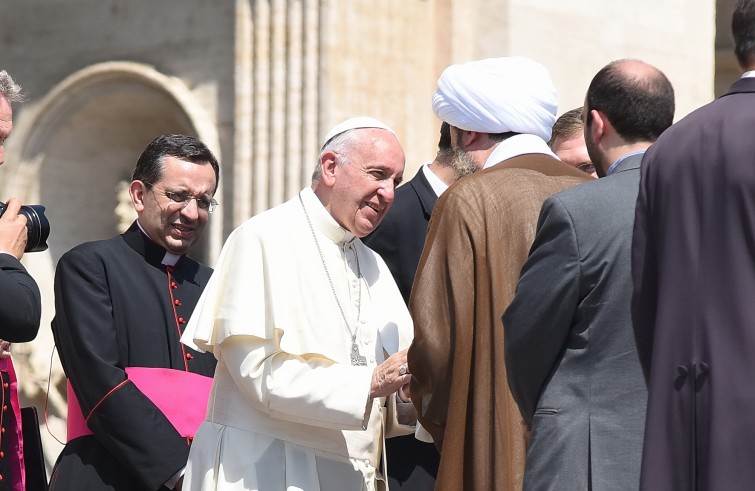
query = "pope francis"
{"x": 310, "y": 333}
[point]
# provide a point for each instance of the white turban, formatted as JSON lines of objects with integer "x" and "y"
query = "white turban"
{"x": 498, "y": 95}
{"x": 352, "y": 124}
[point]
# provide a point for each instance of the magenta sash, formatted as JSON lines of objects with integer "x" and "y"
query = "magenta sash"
{"x": 181, "y": 396}
{"x": 15, "y": 444}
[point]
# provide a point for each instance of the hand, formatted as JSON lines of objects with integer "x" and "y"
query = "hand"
{"x": 13, "y": 233}
{"x": 387, "y": 379}
{"x": 4, "y": 349}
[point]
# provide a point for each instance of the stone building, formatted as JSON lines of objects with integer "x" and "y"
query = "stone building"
{"x": 260, "y": 81}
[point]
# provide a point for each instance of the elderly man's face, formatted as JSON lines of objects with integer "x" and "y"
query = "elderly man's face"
{"x": 6, "y": 124}
{"x": 365, "y": 183}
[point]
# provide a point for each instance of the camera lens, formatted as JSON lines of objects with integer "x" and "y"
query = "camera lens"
{"x": 37, "y": 225}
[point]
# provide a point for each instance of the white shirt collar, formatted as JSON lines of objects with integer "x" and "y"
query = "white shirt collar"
{"x": 169, "y": 259}
{"x": 750, "y": 74}
{"x": 435, "y": 182}
{"x": 518, "y": 145}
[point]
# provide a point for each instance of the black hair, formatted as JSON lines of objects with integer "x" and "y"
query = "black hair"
{"x": 149, "y": 168}
{"x": 743, "y": 29}
{"x": 640, "y": 107}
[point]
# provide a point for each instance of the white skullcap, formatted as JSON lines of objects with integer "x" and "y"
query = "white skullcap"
{"x": 352, "y": 124}
{"x": 497, "y": 95}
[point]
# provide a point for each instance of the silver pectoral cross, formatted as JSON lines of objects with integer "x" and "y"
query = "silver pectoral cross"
{"x": 356, "y": 359}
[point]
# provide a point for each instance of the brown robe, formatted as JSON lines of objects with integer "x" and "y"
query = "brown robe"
{"x": 479, "y": 237}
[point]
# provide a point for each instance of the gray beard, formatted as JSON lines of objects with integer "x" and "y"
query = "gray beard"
{"x": 462, "y": 164}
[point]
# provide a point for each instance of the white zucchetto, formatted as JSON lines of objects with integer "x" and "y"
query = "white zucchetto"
{"x": 352, "y": 124}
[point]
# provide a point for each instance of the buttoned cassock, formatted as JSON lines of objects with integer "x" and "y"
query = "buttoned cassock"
{"x": 118, "y": 306}
{"x": 287, "y": 409}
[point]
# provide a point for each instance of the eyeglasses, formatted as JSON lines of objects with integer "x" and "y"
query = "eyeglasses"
{"x": 204, "y": 203}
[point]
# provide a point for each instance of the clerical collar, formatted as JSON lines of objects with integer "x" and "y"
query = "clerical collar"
{"x": 749, "y": 74}
{"x": 322, "y": 221}
{"x": 168, "y": 259}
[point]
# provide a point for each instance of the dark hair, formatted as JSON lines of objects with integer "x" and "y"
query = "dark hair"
{"x": 499, "y": 137}
{"x": 640, "y": 106}
{"x": 149, "y": 168}
{"x": 444, "y": 143}
{"x": 743, "y": 29}
{"x": 568, "y": 124}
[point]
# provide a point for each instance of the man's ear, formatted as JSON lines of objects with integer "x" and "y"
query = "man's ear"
{"x": 465, "y": 138}
{"x": 470, "y": 139}
{"x": 328, "y": 168}
{"x": 138, "y": 190}
{"x": 597, "y": 126}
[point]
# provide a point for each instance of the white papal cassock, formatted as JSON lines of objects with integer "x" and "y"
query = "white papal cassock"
{"x": 287, "y": 409}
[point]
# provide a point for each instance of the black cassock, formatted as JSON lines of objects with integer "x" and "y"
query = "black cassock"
{"x": 118, "y": 306}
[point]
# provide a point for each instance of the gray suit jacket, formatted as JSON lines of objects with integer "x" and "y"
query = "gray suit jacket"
{"x": 570, "y": 352}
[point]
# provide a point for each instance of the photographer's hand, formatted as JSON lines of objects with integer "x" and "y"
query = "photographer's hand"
{"x": 4, "y": 349}
{"x": 13, "y": 232}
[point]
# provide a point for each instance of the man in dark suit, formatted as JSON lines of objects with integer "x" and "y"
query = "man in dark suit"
{"x": 693, "y": 262}
{"x": 413, "y": 464}
{"x": 20, "y": 306}
{"x": 121, "y": 306}
{"x": 570, "y": 353}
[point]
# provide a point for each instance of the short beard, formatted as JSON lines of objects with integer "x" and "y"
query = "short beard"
{"x": 462, "y": 164}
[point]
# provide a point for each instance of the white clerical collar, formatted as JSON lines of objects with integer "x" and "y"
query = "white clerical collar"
{"x": 169, "y": 259}
{"x": 436, "y": 183}
{"x": 518, "y": 145}
{"x": 750, "y": 74}
{"x": 322, "y": 221}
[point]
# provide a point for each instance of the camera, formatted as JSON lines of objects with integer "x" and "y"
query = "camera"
{"x": 37, "y": 225}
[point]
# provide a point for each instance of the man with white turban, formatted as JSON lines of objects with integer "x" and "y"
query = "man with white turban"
{"x": 501, "y": 111}
{"x": 310, "y": 332}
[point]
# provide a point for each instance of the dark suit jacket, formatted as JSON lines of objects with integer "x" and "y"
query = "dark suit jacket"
{"x": 401, "y": 235}
{"x": 20, "y": 304}
{"x": 20, "y": 311}
{"x": 399, "y": 238}
{"x": 570, "y": 354}
{"x": 693, "y": 262}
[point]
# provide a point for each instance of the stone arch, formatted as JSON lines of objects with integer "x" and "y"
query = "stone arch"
{"x": 84, "y": 138}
